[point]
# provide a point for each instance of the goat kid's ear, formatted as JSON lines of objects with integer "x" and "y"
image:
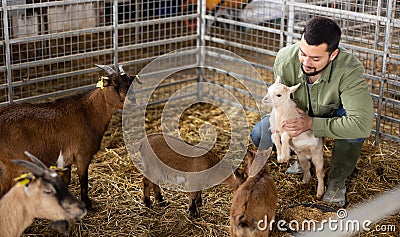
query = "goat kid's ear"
{"x": 265, "y": 99}
{"x": 294, "y": 88}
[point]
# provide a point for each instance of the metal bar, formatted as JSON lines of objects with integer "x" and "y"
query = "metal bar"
{"x": 61, "y": 59}
{"x": 47, "y": 4}
{"x": 376, "y": 39}
{"x": 94, "y": 30}
{"x": 165, "y": 100}
{"x": 242, "y": 24}
{"x": 138, "y": 15}
{"x": 282, "y": 25}
{"x": 382, "y": 82}
{"x": 158, "y": 42}
{"x": 51, "y": 77}
{"x": 7, "y": 52}
{"x": 175, "y": 83}
{"x": 238, "y": 45}
{"x": 290, "y": 31}
{"x": 51, "y": 94}
{"x": 225, "y": 101}
{"x": 115, "y": 33}
{"x": 330, "y": 12}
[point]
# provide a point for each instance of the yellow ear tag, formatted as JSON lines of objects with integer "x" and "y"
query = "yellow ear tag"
{"x": 58, "y": 170}
{"x": 24, "y": 179}
{"x": 100, "y": 83}
{"x": 24, "y": 182}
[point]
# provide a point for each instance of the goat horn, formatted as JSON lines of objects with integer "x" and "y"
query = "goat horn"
{"x": 106, "y": 68}
{"x": 121, "y": 70}
{"x": 35, "y": 160}
{"x": 36, "y": 170}
{"x": 137, "y": 79}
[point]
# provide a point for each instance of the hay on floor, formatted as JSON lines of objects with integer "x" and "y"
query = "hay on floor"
{"x": 116, "y": 189}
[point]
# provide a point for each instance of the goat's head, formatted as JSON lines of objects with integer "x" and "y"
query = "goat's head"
{"x": 278, "y": 93}
{"x": 48, "y": 193}
{"x": 237, "y": 177}
{"x": 117, "y": 85}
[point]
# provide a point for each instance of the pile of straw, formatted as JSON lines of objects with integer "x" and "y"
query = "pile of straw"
{"x": 116, "y": 189}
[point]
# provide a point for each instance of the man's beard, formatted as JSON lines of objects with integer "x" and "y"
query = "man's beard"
{"x": 315, "y": 72}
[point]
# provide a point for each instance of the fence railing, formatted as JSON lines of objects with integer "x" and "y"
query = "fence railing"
{"x": 49, "y": 48}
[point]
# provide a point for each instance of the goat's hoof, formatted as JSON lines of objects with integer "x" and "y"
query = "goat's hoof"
{"x": 88, "y": 203}
{"x": 280, "y": 160}
{"x": 194, "y": 215}
{"x": 163, "y": 203}
{"x": 147, "y": 203}
{"x": 283, "y": 159}
{"x": 304, "y": 182}
{"x": 320, "y": 194}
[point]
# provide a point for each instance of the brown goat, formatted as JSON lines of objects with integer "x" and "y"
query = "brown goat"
{"x": 196, "y": 159}
{"x": 39, "y": 194}
{"x": 73, "y": 125}
{"x": 254, "y": 202}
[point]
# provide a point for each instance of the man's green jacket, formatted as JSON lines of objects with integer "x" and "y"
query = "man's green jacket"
{"x": 341, "y": 84}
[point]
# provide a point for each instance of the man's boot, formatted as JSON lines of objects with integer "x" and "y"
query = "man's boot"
{"x": 344, "y": 158}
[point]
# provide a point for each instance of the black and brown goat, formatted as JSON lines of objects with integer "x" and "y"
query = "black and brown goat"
{"x": 74, "y": 125}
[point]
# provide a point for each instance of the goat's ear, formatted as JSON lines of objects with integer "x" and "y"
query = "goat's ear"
{"x": 136, "y": 78}
{"x": 278, "y": 79}
{"x": 294, "y": 88}
{"x": 259, "y": 161}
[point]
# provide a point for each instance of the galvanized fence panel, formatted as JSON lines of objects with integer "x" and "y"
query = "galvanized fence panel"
{"x": 49, "y": 48}
{"x": 370, "y": 29}
{"x": 54, "y": 45}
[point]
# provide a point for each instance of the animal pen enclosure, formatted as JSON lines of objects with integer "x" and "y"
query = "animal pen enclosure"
{"x": 50, "y": 48}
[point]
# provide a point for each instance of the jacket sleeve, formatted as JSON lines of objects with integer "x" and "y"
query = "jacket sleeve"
{"x": 359, "y": 118}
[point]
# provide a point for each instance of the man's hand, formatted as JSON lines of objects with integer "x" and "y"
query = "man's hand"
{"x": 298, "y": 125}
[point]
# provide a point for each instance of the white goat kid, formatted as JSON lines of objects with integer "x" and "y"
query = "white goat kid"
{"x": 306, "y": 146}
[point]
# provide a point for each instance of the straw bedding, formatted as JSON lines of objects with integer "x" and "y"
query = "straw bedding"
{"x": 115, "y": 186}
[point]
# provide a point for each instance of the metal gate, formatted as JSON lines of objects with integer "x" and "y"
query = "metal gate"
{"x": 49, "y": 48}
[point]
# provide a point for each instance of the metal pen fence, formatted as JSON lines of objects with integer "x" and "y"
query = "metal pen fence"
{"x": 50, "y": 48}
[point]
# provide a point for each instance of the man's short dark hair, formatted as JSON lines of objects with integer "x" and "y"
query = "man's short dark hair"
{"x": 321, "y": 30}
